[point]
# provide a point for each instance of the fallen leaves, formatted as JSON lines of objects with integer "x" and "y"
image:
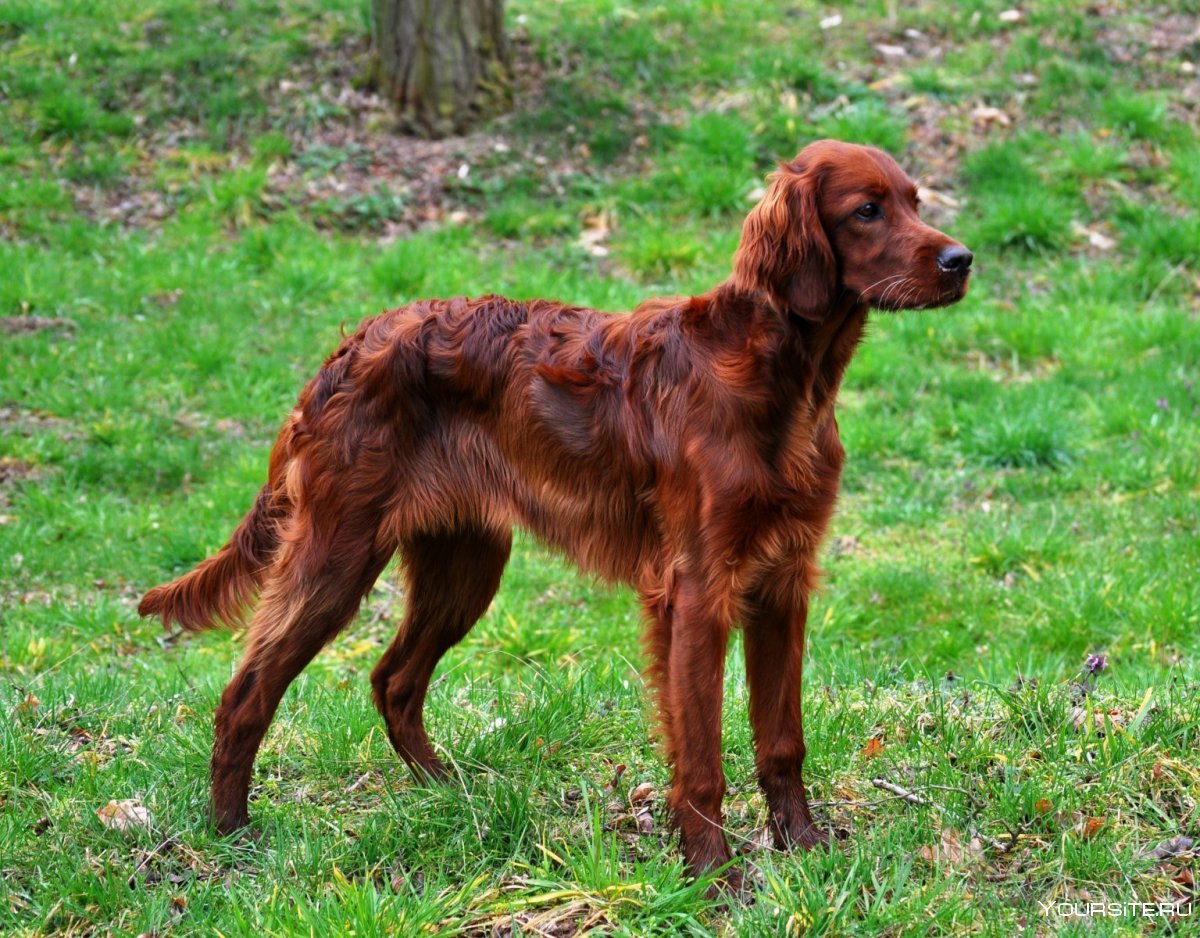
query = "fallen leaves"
{"x": 618, "y": 771}
{"x": 126, "y": 814}
{"x": 934, "y": 197}
{"x": 171, "y": 862}
{"x": 642, "y": 801}
{"x": 949, "y": 850}
{"x": 1181, "y": 846}
{"x": 1088, "y": 827}
{"x": 596, "y": 230}
{"x": 985, "y": 117}
{"x": 637, "y": 809}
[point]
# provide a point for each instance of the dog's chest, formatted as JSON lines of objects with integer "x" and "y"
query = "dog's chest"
{"x": 808, "y": 455}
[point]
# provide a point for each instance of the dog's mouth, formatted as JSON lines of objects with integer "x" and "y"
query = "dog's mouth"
{"x": 909, "y": 293}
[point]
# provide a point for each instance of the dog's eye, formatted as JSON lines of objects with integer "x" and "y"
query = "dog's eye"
{"x": 869, "y": 211}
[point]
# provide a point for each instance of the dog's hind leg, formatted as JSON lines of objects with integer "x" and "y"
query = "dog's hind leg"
{"x": 451, "y": 578}
{"x": 314, "y": 588}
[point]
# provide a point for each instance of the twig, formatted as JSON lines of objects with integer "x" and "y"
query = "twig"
{"x": 998, "y": 845}
{"x": 913, "y": 798}
{"x": 910, "y": 797}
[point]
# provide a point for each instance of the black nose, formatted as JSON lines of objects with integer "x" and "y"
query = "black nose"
{"x": 955, "y": 260}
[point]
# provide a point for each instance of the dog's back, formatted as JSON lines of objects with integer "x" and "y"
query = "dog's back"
{"x": 487, "y": 412}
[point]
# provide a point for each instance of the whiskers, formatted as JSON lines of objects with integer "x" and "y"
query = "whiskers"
{"x": 897, "y": 290}
{"x": 903, "y": 291}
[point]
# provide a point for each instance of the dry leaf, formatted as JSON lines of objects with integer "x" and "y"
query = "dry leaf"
{"x": 933, "y": 197}
{"x": 873, "y": 747}
{"x": 987, "y": 116}
{"x": 616, "y": 779}
{"x": 1096, "y": 238}
{"x": 1043, "y": 806}
{"x": 642, "y": 794}
{"x": 948, "y": 849}
{"x": 644, "y": 820}
{"x": 596, "y": 229}
{"x": 123, "y": 815}
{"x": 1089, "y": 827}
{"x": 497, "y": 724}
{"x": 1174, "y": 847}
{"x": 889, "y": 82}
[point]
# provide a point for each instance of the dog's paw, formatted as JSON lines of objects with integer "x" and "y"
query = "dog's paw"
{"x": 805, "y": 837}
{"x": 731, "y": 886}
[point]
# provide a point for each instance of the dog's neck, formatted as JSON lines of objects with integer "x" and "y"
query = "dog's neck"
{"x": 828, "y": 346}
{"x": 816, "y": 352}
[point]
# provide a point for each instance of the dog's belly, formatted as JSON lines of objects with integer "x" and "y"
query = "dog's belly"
{"x": 465, "y": 476}
{"x": 605, "y": 532}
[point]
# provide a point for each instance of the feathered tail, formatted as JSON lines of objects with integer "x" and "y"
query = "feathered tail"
{"x": 220, "y": 589}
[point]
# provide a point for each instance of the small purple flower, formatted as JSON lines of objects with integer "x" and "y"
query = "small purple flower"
{"x": 1162, "y": 403}
{"x": 1095, "y": 664}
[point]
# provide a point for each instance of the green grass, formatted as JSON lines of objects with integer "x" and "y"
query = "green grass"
{"x": 1021, "y": 489}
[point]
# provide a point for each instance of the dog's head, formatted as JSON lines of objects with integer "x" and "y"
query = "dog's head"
{"x": 842, "y": 219}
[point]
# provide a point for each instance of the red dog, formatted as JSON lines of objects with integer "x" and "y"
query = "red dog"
{"x": 688, "y": 448}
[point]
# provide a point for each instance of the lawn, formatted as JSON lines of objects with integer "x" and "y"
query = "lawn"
{"x": 1002, "y": 679}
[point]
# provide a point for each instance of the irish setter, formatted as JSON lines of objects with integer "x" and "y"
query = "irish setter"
{"x": 688, "y": 448}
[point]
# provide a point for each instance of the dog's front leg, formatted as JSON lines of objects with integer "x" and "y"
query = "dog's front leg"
{"x": 695, "y": 671}
{"x": 774, "y": 640}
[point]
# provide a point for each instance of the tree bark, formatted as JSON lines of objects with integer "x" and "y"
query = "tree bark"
{"x": 443, "y": 63}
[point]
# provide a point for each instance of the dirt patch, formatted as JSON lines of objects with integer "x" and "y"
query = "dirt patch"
{"x": 27, "y": 325}
{"x": 1162, "y": 38}
{"x": 373, "y": 180}
{"x": 15, "y": 472}
{"x": 346, "y": 166}
{"x": 577, "y": 917}
{"x": 17, "y": 419}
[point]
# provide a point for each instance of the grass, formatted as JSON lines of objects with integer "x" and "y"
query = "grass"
{"x": 1021, "y": 490}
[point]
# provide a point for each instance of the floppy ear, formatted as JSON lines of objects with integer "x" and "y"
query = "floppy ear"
{"x": 784, "y": 251}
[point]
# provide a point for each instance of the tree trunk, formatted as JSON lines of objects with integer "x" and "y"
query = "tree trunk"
{"x": 443, "y": 63}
